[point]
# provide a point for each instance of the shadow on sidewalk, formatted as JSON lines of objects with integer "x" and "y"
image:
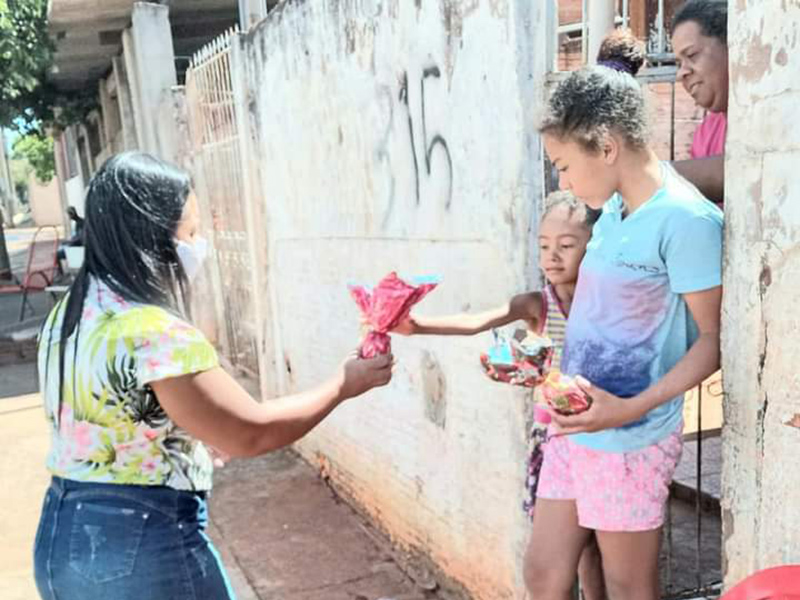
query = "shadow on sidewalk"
{"x": 18, "y": 379}
{"x": 286, "y": 535}
{"x": 18, "y": 345}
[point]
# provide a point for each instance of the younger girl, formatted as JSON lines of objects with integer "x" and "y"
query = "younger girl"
{"x": 643, "y": 329}
{"x": 563, "y": 234}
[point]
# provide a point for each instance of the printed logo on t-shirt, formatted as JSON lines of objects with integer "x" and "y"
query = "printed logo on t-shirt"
{"x": 638, "y": 267}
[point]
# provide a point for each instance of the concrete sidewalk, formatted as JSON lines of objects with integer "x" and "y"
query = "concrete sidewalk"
{"x": 281, "y": 531}
{"x": 23, "y": 445}
{"x": 285, "y": 536}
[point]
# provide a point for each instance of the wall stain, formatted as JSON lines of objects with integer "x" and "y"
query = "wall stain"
{"x": 765, "y": 279}
{"x": 499, "y": 8}
{"x": 288, "y": 364}
{"x": 434, "y": 388}
{"x": 454, "y": 13}
{"x": 350, "y": 36}
{"x": 755, "y": 192}
{"x": 727, "y": 533}
{"x": 758, "y": 62}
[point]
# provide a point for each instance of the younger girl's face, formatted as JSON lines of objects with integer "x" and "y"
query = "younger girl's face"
{"x": 590, "y": 176}
{"x": 562, "y": 244}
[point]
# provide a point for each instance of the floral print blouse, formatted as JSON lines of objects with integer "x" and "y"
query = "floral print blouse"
{"x": 112, "y": 428}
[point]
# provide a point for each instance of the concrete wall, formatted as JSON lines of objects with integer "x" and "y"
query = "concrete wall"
{"x": 45, "y": 202}
{"x": 171, "y": 121}
{"x": 399, "y": 135}
{"x": 149, "y": 62}
{"x": 122, "y": 88}
{"x": 76, "y": 194}
{"x": 761, "y": 484}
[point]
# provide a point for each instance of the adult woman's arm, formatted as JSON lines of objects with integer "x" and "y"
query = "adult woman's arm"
{"x": 215, "y": 409}
{"x": 707, "y": 175}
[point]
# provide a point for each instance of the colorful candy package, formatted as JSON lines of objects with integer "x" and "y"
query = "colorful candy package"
{"x": 384, "y": 306}
{"x": 521, "y": 359}
{"x": 563, "y": 394}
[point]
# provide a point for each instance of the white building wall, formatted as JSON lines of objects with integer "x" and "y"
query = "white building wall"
{"x": 761, "y": 485}
{"x": 361, "y": 174}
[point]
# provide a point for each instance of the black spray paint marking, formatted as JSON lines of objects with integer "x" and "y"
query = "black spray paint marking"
{"x": 437, "y": 140}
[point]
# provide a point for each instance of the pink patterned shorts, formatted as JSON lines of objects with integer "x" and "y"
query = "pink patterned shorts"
{"x": 613, "y": 491}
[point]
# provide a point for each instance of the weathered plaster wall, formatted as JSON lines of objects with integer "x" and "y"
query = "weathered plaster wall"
{"x": 761, "y": 483}
{"x": 399, "y": 135}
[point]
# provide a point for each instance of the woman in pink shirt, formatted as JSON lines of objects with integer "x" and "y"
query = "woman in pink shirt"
{"x": 700, "y": 43}
{"x": 709, "y": 137}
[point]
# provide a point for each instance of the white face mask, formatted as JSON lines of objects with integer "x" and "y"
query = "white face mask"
{"x": 192, "y": 255}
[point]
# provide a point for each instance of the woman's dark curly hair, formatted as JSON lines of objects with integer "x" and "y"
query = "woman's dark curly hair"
{"x": 710, "y": 15}
{"x": 622, "y": 48}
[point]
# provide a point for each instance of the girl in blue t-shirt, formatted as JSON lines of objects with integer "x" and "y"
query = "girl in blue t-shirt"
{"x": 644, "y": 329}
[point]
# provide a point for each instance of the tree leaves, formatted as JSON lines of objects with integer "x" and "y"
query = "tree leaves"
{"x": 26, "y": 53}
{"x": 28, "y": 102}
{"x": 37, "y": 150}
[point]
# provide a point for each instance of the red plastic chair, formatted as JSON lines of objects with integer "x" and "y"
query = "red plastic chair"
{"x": 40, "y": 270}
{"x": 779, "y": 583}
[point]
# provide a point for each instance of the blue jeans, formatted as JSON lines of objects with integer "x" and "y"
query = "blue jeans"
{"x": 102, "y": 541}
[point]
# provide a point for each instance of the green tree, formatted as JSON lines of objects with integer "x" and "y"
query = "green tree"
{"x": 26, "y": 53}
{"x": 37, "y": 151}
{"x": 28, "y": 102}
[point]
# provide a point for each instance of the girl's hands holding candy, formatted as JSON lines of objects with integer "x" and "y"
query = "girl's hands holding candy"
{"x": 607, "y": 411}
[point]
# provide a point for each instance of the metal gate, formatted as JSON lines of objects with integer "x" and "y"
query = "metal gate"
{"x": 220, "y": 189}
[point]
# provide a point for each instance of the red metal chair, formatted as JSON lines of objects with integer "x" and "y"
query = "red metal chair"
{"x": 41, "y": 268}
{"x": 779, "y": 583}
